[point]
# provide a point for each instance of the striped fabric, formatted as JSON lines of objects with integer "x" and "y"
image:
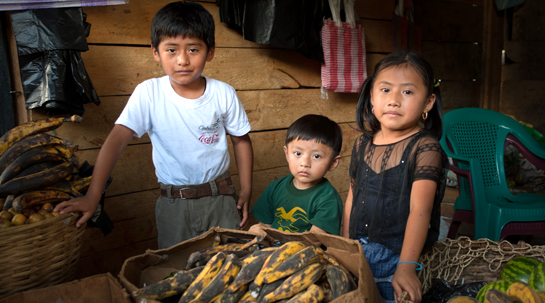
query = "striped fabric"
{"x": 344, "y": 55}
{"x": 10, "y": 5}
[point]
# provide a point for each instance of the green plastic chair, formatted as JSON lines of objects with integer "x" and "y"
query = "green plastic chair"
{"x": 475, "y": 139}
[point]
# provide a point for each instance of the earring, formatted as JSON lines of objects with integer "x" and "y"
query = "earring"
{"x": 425, "y": 116}
{"x": 373, "y": 109}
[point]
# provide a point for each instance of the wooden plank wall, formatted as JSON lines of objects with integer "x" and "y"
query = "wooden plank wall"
{"x": 452, "y": 36}
{"x": 276, "y": 87}
{"x": 523, "y": 80}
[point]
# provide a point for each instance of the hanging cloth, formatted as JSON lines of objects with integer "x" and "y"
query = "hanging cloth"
{"x": 407, "y": 35}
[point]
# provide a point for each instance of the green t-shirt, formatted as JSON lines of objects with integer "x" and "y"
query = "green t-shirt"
{"x": 289, "y": 209}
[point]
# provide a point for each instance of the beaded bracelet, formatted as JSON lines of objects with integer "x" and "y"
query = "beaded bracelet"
{"x": 419, "y": 268}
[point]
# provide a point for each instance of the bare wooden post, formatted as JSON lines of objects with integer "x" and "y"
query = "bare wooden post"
{"x": 492, "y": 53}
{"x": 22, "y": 115}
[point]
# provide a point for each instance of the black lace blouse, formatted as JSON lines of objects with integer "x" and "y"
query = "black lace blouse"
{"x": 381, "y": 180}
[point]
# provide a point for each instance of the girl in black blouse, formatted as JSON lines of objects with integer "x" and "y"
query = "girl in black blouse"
{"x": 397, "y": 171}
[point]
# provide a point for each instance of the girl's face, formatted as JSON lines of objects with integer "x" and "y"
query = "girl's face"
{"x": 399, "y": 98}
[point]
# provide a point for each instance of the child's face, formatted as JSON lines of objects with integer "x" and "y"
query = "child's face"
{"x": 183, "y": 59}
{"x": 309, "y": 161}
{"x": 399, "y": 98}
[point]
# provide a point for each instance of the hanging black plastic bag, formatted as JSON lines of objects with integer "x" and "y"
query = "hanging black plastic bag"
{"x": 441, "y": 291}
{"x": 49, "y": 42}
{"x": 290, "y": 24}
{"x": 232, "y": 12}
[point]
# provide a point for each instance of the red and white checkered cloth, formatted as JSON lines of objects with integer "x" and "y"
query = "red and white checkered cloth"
{"x": 345, "y": 68}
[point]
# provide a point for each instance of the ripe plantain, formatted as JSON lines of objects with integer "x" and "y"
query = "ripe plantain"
{"x": 296, "y": 283}
{"x": 65, "y": 186}
{"x": 234, "y": 297}
{"x": 339, "y": 281}
{"x": 26, "y": 144}
{"x": 36, "y": 168}
{"x": 37, "y": 155}
{"x": 31, "y": 128}
{"x": 269, "y": 288}
{"x": 169, "y": 287}
{"x": 36, "y": 181}
{"x": 81, "y": 184}
{"x": 520, "y": 292}
{"x": 219, "y": 284}
{"x": 210, "y": 270}
{"x": 250, "y": 269}
{"x": 313, "y": 294}
{"x": 276, "y": 258}
{"x": 38, "y": 197}
{"x": 295, "y": 262}
{"x": 247, "y": 297}
{"x": 200, "y": 258}
{"x": 496, "y": 296}
{"x": 8, "y": 202}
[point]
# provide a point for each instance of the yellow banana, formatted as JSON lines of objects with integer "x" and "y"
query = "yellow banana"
{"x": 26, "y": 144}
{"x": 31, "y": 128}
{"x": 169, "y": 287}
{"x": 520, "y": 292}
{"x": 296, "y": 283}
{"x": 37, "y": 181}
{"x": 81, "y": 184}
{"x": 302, "y": 258}
{"x": 219, "y": 284}
{"x": 38, "y": 197}
{"x": 274, "y": 260}
{"x": 313, "y": 294}
{"x": 203, "y": 279}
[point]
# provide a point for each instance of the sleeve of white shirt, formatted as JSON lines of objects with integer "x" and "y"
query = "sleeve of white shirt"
{"x": 136, "y": 114}
{"x": 236, "y": 120}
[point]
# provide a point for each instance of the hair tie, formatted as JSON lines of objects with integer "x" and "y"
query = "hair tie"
{"x": 419, "y": 268}
{"x": 436, "y": 83}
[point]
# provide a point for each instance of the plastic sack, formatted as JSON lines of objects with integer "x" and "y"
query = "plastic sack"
{"x": 503, "y": 4}
{"x": 232, "y": 12}
{"x": 441, "y": 291}
{"x": 49, "y": 43}
{"x": 289, "y": 24}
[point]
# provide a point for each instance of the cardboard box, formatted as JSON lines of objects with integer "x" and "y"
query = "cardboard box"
{"x": 102, "y": 288}
{"x": 153, "y": 266}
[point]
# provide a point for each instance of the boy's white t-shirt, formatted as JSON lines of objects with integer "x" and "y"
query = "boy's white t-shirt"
{"x": 188, "y": 136}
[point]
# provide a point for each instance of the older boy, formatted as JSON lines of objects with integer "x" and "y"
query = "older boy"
{"x": 188, "y": 117}
{"x": 304, "y": 200}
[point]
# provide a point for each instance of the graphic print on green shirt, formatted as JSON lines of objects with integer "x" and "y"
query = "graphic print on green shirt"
{"x": 287, "y": 221}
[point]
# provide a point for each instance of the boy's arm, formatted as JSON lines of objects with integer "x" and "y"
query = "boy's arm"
{"x": 110, "y": 152}
{"x": 244, "y": 156}
{"x": 416, "y": 231}
{"x": 258, "y": 228}
{"x": 318, "y": 230}
{"x": 346, "y": 214}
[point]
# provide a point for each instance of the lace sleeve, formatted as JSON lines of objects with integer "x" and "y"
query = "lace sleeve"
{"x": 431, "y": 161}
{"x": 355, "y": 159}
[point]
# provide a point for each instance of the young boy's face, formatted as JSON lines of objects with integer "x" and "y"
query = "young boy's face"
{"x": 309, "y": 161}
{"x": 183, "y": 59}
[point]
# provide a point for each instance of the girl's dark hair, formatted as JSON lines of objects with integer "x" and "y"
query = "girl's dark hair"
{"x": 318, "y": 128}
{"x": 183, "y": 19}
{"x": 366, "y": 120}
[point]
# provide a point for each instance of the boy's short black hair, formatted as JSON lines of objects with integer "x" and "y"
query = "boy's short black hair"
{"x": 183, "y": 19}
{"x": 318, "y": 128}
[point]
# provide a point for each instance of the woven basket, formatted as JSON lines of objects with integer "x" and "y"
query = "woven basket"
{"x": 39, "y": 255}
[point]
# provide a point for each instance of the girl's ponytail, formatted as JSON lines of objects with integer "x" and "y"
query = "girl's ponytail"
{"x": 434, "y": 123}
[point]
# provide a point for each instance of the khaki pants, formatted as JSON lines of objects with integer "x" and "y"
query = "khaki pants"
{"x": 179, "y": 220}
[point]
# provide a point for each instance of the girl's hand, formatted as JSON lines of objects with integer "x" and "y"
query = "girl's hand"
{"x": 405, "y": 279}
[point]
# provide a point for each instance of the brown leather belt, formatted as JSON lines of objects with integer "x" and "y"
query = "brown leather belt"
{"x": 202, "y": 190}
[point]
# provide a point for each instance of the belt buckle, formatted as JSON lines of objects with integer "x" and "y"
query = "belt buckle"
{"x": 181, "y": 194}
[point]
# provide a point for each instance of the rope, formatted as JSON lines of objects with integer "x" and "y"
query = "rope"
{"x": 448, "y": 259}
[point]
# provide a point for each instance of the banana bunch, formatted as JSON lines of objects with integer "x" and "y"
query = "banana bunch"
{"x": 293, "y": 272}
{"x": 36, "y": 169}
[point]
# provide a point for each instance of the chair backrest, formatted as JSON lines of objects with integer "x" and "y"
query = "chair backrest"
{"x": 481, "y": 134}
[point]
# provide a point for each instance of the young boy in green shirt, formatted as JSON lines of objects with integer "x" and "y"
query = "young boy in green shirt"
{"x": 304, "y": 200}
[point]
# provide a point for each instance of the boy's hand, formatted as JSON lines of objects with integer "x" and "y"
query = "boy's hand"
{"x": 405, "y": 279}
{"x": 242, "y": 205}
{"x": 86, "y": 205}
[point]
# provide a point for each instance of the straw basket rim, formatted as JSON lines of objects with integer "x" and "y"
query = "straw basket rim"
{"x": 38, "y": 255}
